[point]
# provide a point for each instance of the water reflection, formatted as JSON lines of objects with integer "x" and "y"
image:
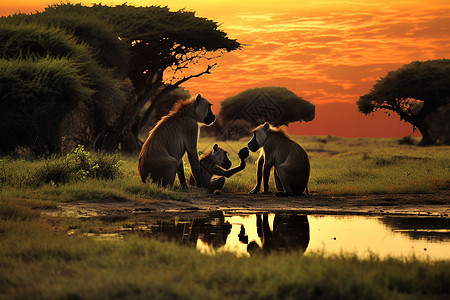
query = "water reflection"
{"x": 212, "y": 230}
{"x": 419, "y": 228}
{"x": 247, "y": 234}
{"x": 286, "y": 232}
{"x": 383, "y": 236}
{"x": 289, "y": 232}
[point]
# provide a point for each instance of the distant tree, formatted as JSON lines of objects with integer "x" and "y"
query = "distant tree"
{"x": 276, "y": 105}
{"x": 414, "y": 92}
{"x": 152, "y": 47}
{"x": 248, "y": 109}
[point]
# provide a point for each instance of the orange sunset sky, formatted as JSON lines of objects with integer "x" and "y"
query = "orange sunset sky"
{"x": 328, "y": 52}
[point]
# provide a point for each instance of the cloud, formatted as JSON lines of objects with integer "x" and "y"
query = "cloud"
{"x": 335, "y": 56}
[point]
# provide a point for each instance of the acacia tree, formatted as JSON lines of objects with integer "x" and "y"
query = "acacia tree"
{"x": 162, "y": 46}
{"x": 153, "y": 48}
{"x": 414, "y": 92}
{"x": 278, "y": 105}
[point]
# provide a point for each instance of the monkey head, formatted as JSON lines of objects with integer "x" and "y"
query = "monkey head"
{"x": 220, "y": 157}
{"x": 203, "y": 110}
{"x": 259, "y": 137}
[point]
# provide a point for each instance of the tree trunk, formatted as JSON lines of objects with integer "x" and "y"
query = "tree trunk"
{"x": 123, "y": 136}
{"x": 426, "y": 140}
{"x": 131, "y": 143}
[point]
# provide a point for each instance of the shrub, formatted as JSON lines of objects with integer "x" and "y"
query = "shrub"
{"x": 77, "y": 165}
{"x": 407, "y": 140}
{"x": 36, "y": 95}
{"x": 26, "y": 39}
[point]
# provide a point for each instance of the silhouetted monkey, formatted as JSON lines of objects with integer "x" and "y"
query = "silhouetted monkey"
{"x": 175, "y": 134}
{"x": 214, "y": 168}
{"x": 290, "y": 161}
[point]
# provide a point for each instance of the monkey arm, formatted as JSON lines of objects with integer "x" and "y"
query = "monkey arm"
{"x": 258, "y": 175}
{"x": 228, "y": 173}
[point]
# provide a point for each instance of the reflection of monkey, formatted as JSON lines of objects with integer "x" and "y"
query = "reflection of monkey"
{"x": 290, "y": 232}
{"x": 214, "y": 167}
{"x": 177, "y": 133}
{"x": 289, "y": 159}
{"x": 212, "y": 229}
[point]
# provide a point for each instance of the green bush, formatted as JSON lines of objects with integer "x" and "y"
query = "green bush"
{"x": 88, "y": 28}
{"x": 36, "y": 95}
{"x": 77, "y": 165}
{"x": 32, "y": 40}
{"x": 27, "y": 38}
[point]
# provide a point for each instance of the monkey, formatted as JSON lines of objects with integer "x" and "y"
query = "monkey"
{"x": 290, "y": 161}
{"x": 175, "y": 134}
{"x": 215, "y": 166}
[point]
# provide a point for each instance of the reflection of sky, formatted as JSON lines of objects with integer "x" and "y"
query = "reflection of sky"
{"x": 354, "y": 234}
{"x": 363, "y": 234}
{"x": 324, "y": 51}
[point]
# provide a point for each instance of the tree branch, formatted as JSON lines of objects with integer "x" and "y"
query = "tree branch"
{"x": 207, "y": 71}
{"x": 167, "y": 89}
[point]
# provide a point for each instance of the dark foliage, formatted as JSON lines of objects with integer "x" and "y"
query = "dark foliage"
{"x": 36, "y": 96}
{"x": 276, "y": 105}
{"x": 407, "y": 140}
{"x": 150, "y": 49}
{"x": 34, "y": 42}
{"x": 250, "y": 108}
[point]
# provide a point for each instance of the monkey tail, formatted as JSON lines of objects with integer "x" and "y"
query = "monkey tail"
{"x": 143, "y": 178}
{"x": 141, "y": 171}
{"x": 191, "y": 180}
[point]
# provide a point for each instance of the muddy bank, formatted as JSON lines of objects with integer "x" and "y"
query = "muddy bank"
{"x": 435, "y": 204}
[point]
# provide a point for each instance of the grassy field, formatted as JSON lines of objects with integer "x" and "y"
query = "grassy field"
{"x": 347, "y": 166}
{"x": 339, "y": 166}
{"x": 40, "y": 259}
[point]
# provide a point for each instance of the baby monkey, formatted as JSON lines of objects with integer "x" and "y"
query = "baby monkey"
{"x": 215, "y": 166}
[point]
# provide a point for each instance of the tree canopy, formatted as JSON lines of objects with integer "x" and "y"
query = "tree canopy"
{"x": 131, "y": 58}
{"x": 276, "y": 105}
{"x": 414, "y": 91}
{"x": 252, "y": 107}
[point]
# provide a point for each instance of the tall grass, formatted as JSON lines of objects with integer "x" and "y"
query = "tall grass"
{"x": 39, "y": 260}
{"x": 79, "y": 175}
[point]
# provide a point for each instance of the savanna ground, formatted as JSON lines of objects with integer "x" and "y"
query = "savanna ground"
{"x": 43, "y": 200}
